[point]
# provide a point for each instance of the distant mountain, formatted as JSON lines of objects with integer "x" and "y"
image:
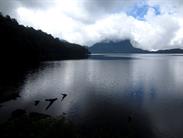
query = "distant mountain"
{"x": 115, "y": 47}
{"x": 169, "y": 51}
{"x": 124, "y": 47}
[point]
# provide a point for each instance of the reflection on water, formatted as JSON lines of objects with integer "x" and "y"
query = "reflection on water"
{"x": 109, "y": 89}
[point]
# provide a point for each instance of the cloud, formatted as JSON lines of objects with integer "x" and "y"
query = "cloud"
{"x": 7, "y": 7}
{"x": 35, "y": 4}
{"x": 149, "y": 24}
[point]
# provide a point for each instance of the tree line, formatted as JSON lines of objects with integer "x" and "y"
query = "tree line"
{"x": 27, "y": 45}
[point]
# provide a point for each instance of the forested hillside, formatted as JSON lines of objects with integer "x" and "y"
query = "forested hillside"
{"x": 25, "y": 44}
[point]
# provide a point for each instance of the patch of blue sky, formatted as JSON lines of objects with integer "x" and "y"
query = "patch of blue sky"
{"x": 140, "y": 10}
{"x": 157, "y": 9}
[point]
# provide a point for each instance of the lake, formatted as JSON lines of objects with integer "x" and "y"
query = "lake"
{"x": 109, "y": 89}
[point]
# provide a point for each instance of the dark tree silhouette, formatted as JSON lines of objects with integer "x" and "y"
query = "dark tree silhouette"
{"x": 23, "y": 48}
{"x": 27, "y": 45}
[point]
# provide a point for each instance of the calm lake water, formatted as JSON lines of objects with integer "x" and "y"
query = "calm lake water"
{"x": 108, "y": 90}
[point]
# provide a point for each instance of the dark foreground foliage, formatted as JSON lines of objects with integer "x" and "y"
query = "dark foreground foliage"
{"x": 36, "y": 125}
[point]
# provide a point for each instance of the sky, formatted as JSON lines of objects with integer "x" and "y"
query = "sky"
{"x": 148, "y": 24}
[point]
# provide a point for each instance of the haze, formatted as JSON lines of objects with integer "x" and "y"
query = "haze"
{"x": 149, "y": 24}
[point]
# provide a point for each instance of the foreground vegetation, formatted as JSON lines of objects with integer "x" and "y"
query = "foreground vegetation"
{"x": 36, "y": 125}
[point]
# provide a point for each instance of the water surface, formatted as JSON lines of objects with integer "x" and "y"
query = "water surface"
{"x": 107, "y": 89}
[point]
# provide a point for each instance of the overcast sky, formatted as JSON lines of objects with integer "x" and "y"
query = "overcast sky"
{"x": 149, "y": 24}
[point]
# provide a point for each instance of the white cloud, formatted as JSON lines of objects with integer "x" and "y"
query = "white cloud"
{"x": 89, "y": 21}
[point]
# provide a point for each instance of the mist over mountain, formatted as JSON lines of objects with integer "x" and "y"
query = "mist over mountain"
{"x": 124, "y": 46}
{"x": 115, "y": 47}
{"x": 87, "y": 22}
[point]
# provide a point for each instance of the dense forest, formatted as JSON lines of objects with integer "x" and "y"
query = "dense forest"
{"x": 23, "y": 48}
{"x": 25, "y": 44}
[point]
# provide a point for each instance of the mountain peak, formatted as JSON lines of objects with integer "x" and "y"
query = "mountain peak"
{"x": 106, "y": 46}
{"x": 124, "y": 46}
